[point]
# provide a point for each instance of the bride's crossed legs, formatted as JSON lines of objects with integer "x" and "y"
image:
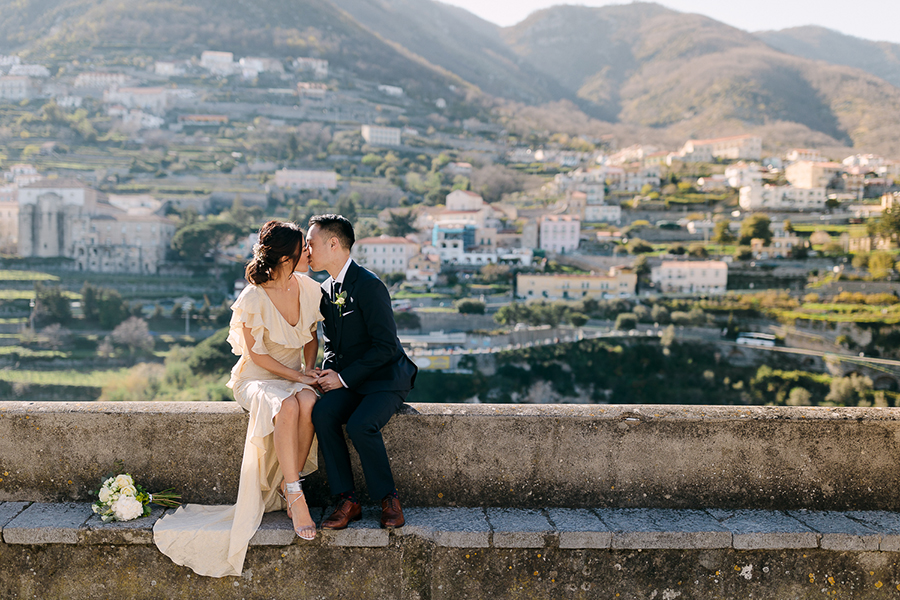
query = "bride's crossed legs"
{"x": 294, "y": 434}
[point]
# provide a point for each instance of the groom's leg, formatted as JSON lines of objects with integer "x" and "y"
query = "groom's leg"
{"x": 364, "y": 429}
{"x": 330, "y": 413}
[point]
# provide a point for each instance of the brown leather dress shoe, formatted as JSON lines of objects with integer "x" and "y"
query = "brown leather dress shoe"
{"x": 346, "y": 512}
{"x": 391, "y": 513}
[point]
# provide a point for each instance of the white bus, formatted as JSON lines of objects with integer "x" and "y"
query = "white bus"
{"x": 749, "y": 338}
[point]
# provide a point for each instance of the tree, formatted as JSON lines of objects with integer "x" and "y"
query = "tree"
{"x": 887, "y": 225}
{"x": 788, "y": 227}
{"x": 470, "y": 306}
{"x": 799, "y": 397}
{"x": 212, "y": 355}
{"x": 698, "y": 250}
{"x": 51, "y": 305}
{"x": 742, "y": 253}
{"x": 407, "y": 320}
{"x": 639, "y": 246}
{"x": 722, "y": 233}
{"x": 578, "y": 319}
{"x": 626, "y": 321}
{"x": 103, "y": 305}
{"x": 134, "y": 333}
{"x": 512, "y": 314}
{"x": 755, "y": 226}
{"x": 195, "y": 241}
{"x": 881, "y": 264}
{"x": 659, "y": 314}
{"x": 347, "y": 207}
{"x": 641, "y": 266}
{"x": 401, "y": 224}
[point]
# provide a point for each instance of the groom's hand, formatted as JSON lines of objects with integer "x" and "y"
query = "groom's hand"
{"x": 329, "y": 380}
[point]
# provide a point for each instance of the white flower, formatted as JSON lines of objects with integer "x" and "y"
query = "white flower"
{"x": 109, "y": 482}
{"x": 104, "y": 494}
{"x": 127, "y": 508}
{"x": 95, "y": 508}
{"x": 124, "y": 480}
{"x": 128, "y": 490}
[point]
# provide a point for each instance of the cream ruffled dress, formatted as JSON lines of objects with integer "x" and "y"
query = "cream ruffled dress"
{"x": 212, "y": 540}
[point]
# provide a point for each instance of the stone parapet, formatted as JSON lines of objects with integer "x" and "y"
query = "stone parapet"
{"x": 513, "y": 456}
{"x": 64, "y": 551}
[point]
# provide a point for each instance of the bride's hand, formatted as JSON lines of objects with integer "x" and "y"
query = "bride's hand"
{"x": 307, "y": 377}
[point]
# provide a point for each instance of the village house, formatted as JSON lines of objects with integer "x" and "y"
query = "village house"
{"x": 560, "y": 233}
{"x": 375, "y": 135}
{"x": 807, "y": 174}
{"x": 803, "y": 154}
{"x": 218, "y": 63}
{"x": 154, "y": 100}
{"x": 297, "y": 179}
{"x": 65, "y": 218}
{"x": 618, "y": 282}
{"x": 100, "y": 80}
{"x": 15, "y": 88}
{"x": 782, "y": 197}
{"x": 318, "y": 66}
{"x": 747, "y": 147}
{"x": 385, "y": 254}
{"x": 689, "y": 277}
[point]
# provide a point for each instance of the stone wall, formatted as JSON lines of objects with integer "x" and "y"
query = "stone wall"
{"x": 526, "y": 456}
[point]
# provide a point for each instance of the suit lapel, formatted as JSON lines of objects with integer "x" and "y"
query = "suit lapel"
{"x": 347, "y": 286}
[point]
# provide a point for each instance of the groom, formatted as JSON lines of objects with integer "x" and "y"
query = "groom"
{"x": 366, "y": 375}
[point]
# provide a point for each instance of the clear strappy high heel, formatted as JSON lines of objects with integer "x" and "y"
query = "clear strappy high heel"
{"x": 306, "y": 532}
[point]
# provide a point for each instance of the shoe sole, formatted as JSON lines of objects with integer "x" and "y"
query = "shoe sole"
{"x": 344, "y": 527}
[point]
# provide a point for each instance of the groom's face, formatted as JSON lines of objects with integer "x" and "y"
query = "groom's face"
{"x": 318, "y": 248}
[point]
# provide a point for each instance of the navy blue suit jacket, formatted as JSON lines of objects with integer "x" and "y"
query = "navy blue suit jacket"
{"x": 361, "y": 341}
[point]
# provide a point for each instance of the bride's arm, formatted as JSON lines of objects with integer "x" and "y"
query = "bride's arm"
{"x": 311, "y": 352}
{"x": 273, "y": 366}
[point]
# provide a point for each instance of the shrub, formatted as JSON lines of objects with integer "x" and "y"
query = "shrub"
{"x": 213, "y": 355}
{"x": 407, "y": 320}
{"x": 470, "y": 306}
{"x": 626, "y": 321}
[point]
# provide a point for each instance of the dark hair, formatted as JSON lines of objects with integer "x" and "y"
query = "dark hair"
{"x": 335, "y": 226}
{"x": 276, "y": 240}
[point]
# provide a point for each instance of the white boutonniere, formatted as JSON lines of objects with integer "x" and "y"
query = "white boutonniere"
{"x": 340, "y": 301}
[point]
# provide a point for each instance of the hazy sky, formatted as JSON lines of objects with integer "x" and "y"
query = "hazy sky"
{"x": 874, "y": 20}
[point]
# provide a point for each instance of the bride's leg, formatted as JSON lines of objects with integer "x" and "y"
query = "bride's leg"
{"x": 286, "y": 448}
{"x": 306, "y": 431}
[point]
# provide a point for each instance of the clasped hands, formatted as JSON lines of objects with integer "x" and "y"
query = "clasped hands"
{"x": 323, "y": 380}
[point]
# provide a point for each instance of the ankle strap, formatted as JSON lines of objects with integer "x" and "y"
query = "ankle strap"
{"x": 293, "y": 487}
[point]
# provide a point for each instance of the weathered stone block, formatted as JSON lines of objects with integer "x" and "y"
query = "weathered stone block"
{"x": 8, "y": 511}
{"x": 579, "y": 528}
{"x": 519, "y": 528}
{"x": 642, "y": 528}
{"x": 138, "y": 531}
{"x": 365, "y": 533}
{"x": 449, "y": 527}
{"x": 886, "y": 523}
{"x": 765, "y": 529}
{"x": 43, "y": 523}
{"x": 839, "y": 532}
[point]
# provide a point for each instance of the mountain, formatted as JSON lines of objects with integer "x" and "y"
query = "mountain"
{"x": 881, "y": 59}
{"x": 457, "y": 41}
{"x": 646, "y": 65}
{"x": 130, "y": 29}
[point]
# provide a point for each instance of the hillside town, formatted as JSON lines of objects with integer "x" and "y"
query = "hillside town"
{"x": 149, "y": 182}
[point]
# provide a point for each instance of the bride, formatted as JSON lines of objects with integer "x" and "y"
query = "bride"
{"x": 273, "y": 320}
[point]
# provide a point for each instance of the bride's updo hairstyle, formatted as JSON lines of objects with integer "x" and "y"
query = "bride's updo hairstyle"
{"x": 276, "y": 241}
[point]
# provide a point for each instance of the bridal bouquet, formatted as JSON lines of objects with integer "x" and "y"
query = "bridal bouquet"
{"x": 121, "y": 499}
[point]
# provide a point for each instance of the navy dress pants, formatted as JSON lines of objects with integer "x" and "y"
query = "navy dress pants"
{"x": 364, "y": 415}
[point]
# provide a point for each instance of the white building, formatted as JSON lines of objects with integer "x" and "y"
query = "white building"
{"x": 687, "y": 277}
{"x": 618, "y": 282}
{"x": 168, "y": 68}
{"x": 154, "y": 100}
{"x": 39, "y": 71}
{"x": 809, "y": 174}
{"x": 560, "y": 233}
{"x": 15, "y": 88}
{"x": 602, "y": 213}
{"x": 591, "y": 182}
{"x": 306, "y": 180}
{"x": 385, "y": 254}
{"x": 774, "y": 197}
{"x": 65, "y": 218}
{"x": 261, "y": 65}
{"x": 100, "y": 80}
{"x": 741, "y": 174}
{"x": 9, "y": 60}
{"x": 310, "y": 89}
{"x": 218, "y": 63}
{"x": 464, "y": 200}
{"x": 9, "y": 218}
{"x": 391, "y": 90}
{"x": 376, "y": 135}
{"x": 747, "y": 147}
{"x": 797, "y": 154}
{"x": 318, "y": 66}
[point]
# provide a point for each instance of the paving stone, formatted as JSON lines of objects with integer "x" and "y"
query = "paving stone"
{"x": 765, "y": 529}
{"x": 138, "y": 531}
{"x": 365, "y": 533}
{"x": 277, "y": 530}
{"x": 886, "y": 523}
{"x": 8, "y": 511}
{"x": 663, "y": 528}
{"x": 519, "y": 527}
{"x": 451, "y": 527}
{"x": 579, "y": 528}
{"x": 44, "y": 523}
{"x": 838, "y": 531}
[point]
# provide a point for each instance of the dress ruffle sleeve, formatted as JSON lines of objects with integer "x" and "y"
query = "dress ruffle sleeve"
{"x": 247, "y": 311}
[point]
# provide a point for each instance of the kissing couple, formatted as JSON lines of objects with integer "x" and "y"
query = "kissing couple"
{"x": 294, "y": 406}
